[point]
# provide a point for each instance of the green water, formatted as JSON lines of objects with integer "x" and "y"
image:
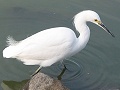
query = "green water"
{"x": 99, "y": 62}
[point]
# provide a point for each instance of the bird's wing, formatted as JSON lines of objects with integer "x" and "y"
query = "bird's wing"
{"x": 47, "y": 44}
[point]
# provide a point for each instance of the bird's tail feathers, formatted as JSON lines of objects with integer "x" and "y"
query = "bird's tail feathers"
{"x": 11, "y": 51}
{"x": 11, "y": 41}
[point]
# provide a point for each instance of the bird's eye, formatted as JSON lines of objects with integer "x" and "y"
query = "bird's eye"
{"x": 96, "y": 20}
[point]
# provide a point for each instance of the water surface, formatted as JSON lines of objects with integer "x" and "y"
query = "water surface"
{"x": 98, "y": 63}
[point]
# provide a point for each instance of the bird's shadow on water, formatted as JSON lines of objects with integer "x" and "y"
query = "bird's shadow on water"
{"x": 13, "y": 85}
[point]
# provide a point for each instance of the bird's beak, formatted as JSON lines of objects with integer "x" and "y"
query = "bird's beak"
{"x": 105, "y": 28}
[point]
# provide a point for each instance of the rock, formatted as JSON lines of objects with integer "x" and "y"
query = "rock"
{"x": 42, "y": 81}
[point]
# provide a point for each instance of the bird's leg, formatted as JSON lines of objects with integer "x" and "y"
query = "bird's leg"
{"x": 60, "y": 76}
{"x": 36, "y": 71}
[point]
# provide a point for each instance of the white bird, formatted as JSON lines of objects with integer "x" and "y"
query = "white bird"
{"x": 55, "y": 44}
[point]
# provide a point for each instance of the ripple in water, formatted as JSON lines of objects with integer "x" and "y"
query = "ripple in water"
{"x": 84, "y": 77}
{"x": 89, "y": 75}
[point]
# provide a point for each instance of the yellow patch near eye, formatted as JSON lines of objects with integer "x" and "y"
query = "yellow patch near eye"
{"x": 97, "y": 21}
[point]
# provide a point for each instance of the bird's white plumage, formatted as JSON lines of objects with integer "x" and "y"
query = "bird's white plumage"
{"x": 51, "y": 45}
{"x": 54, "y": 43}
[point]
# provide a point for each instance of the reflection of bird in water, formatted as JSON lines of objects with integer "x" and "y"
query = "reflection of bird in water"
{"x": 55, "y": 44}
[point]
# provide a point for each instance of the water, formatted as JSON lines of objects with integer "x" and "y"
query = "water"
{"x": 98, "y": 63}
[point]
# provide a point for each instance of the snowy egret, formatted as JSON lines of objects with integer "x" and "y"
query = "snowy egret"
{"x": 55, "y": 44}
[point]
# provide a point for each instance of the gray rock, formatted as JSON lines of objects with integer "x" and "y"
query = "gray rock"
{"x": 42, "y": 81}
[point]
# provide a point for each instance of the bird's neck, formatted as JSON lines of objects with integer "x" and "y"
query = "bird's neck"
{"x": 84, "y": 31}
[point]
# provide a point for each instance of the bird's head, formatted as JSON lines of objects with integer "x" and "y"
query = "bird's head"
{"x": 93, "y": 17}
